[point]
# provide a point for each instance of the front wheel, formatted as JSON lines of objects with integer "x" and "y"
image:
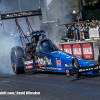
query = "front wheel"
{"x": 75, "y": 64}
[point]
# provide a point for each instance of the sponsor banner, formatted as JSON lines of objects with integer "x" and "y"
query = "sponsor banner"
{"x": 60, "y": 47}
{"x": 58, "y": 62}
{"x": 29, "y": 67}
{"x": 28, "y": 62}
{"x": 68, "y": 49}
{"x": 43, "y": 61}
{"x": 87, "y": 51}
{"x": 82, "y": 50}
{"x": 77, "y": 51}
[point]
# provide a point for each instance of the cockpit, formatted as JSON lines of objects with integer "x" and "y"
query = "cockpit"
{"x": 48, "y": 46}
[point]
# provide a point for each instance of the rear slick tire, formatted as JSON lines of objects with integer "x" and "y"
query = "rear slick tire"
{"x": 16, "y": 61}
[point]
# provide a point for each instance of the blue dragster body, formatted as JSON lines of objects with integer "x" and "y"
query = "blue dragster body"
{"x": 55, "y": 60}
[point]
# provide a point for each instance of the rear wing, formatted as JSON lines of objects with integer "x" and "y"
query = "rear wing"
{"x": 37, "y": 12}
{"x": 25, "y": 14}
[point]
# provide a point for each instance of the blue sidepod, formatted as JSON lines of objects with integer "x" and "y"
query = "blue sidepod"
{"x": 62, "y": 60}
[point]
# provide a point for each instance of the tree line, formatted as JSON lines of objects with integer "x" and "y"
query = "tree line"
{"x": 63, "y": 8}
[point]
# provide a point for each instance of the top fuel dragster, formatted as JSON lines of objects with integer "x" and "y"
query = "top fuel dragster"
{"x": 40, "y": 53}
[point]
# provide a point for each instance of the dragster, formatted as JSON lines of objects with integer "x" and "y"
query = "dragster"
{"x": 40, "y": 54}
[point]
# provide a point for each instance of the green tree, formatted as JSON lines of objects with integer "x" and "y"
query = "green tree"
{"x": 90, "y": 2}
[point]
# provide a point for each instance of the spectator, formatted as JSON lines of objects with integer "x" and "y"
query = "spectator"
{"x": 81, "y": 31}
{"x": 93, "y": 24}
{"x": 86, "y": 31}
{"x": 76, "y": 29}
{"x": 97, "y": 23}
{"x": 68, "y": 32}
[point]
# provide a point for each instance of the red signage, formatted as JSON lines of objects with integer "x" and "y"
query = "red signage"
{"x": 87, "y": 51}
{"x": 82, "y": 50}
{"x": 29, "y": 67}
{"x": 77, "y": 50}
{"x": 67, "y": 48}
{"x": 60, "y": 47}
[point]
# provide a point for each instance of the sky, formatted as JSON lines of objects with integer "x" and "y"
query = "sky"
{"x": 48, "y": 2}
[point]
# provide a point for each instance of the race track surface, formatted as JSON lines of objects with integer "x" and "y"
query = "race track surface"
{"x": 52, "y": 86}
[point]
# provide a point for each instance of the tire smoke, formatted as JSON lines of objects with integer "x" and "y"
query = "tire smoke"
{"x": 5, "y": 63}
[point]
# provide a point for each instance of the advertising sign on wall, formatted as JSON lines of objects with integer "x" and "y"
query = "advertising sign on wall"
{"x": 82, "y": 50}
{"x": 68, "y": 49}
{"x": 60, "y": 47}
{"x": 87, "y": 51}
{"x": 77, "y": 51}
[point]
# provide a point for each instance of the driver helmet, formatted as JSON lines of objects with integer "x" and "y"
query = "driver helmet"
{"x": 45, "y": 44}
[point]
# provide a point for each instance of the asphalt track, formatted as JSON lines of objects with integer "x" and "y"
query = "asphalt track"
{"x": 52, "y": 86}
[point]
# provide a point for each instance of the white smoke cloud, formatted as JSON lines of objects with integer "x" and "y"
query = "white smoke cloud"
{"x": 5, "y": 63}
{"x": 9, "y": 32}
{"x": 61, "y": 11}
{"x": 10, "y": 38}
